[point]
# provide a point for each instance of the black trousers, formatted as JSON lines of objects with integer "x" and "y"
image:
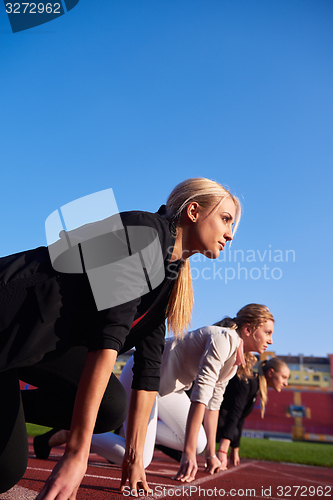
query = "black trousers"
{"x": 57, "y": 377}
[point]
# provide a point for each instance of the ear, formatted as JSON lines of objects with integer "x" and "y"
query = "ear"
{"x": 269, "y": 373}
{"x": 192, "y": 211}
{"x": 247, "y": 330}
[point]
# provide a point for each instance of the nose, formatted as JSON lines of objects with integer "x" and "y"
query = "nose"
{"x": 228, "y": 234}
{"x": 270, "y": 341}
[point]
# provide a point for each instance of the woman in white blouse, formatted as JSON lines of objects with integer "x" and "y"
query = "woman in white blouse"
{"x": 209, "y": 357}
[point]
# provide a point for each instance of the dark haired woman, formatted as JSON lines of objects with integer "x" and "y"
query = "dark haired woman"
{"x": 239, "y": 400}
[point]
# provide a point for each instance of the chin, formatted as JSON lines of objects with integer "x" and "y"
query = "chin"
{"x": 210, "y": 254}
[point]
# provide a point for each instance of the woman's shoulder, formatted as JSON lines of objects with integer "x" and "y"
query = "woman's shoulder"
{"x": 143, "y": 218}
{"x": 154, "y": 220}
{"x": 221, "y": 337}
{"x": 220, "y": 330}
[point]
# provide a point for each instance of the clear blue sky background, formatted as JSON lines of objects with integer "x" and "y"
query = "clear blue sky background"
{"x": 138, "y": 95}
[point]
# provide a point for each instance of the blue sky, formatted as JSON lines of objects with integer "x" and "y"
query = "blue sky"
{"x": 139, "y": 95}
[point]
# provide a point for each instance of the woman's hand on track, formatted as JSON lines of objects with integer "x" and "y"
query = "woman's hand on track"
{"x": 136, "y": 476}
{"x": 213, "y": 465}
{"x": 223, "y": 457}
{"x": 234, "y": 456}
{"x": 65, "y": 479}
{"x": 187, "y": 469}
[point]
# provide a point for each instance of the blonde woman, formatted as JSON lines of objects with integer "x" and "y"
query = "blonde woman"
{"x": 239, "y": 400}
{"x": 251, "y": 330}
{"x": 53, "y": 337}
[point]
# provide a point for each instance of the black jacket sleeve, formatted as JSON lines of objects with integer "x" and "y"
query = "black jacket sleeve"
{"x": 238, "y": 402}
{"x": 235, "y": 443}
{"x": 113, "y": 326}
{"x": 147, "y": 360}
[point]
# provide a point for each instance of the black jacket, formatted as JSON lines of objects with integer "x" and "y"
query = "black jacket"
{"x": 239, "y": 400}
{"x": 43, "y": 310}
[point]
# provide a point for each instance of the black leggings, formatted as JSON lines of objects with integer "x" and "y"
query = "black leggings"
{"x": 57, "y": 377}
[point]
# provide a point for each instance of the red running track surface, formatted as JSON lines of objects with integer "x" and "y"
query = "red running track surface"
{"x": 252, "y": 479}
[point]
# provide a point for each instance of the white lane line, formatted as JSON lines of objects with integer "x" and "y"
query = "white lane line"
{"x": 204, "y": 479}
{"x": 96, "y": 477}
{"x": 180, "y": 486}
{"x": 222, "y": 473}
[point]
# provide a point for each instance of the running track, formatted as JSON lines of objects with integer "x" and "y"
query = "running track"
{"x": 252, "y": 479}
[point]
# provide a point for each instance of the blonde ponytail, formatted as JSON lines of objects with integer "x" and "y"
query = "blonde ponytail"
{"x": 206, "y": 193}
{"x": 246, "y": 371}
{"x": 180, "y": 305}
{"x": 262, "y": 388}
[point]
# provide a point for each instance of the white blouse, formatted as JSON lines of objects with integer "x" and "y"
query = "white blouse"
{"x": 206, "y": 356}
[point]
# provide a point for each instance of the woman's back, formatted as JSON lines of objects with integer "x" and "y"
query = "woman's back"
{"x": 203, "y": 350}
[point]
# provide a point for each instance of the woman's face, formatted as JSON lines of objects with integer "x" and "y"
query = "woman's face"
{"x": 278, "y": 380}
{"x": 211, "y": 228}
{"x": 261, "y": 338}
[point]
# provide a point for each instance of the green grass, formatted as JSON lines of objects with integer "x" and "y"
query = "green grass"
{"x": 34, "y": 430}
{"x": 298, "y": 452}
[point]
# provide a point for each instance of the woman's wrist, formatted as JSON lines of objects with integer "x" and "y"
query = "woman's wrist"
{"x": 188, "y": 452}
{"x": 190, "y": 448}
{"x": 77, "y": 446}
{"x": 81, "y": 455}
{"x": 222, "y": 451}
{"x": 133, "y": 455}
{"x": 212, "y": 456}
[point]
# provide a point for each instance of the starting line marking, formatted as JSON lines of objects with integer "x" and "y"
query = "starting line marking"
{"x": 169, "y": 486}
{"x": 222, "y": 473}
{"x": 206, "y": 479}
{"x": 99, "y": 477}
